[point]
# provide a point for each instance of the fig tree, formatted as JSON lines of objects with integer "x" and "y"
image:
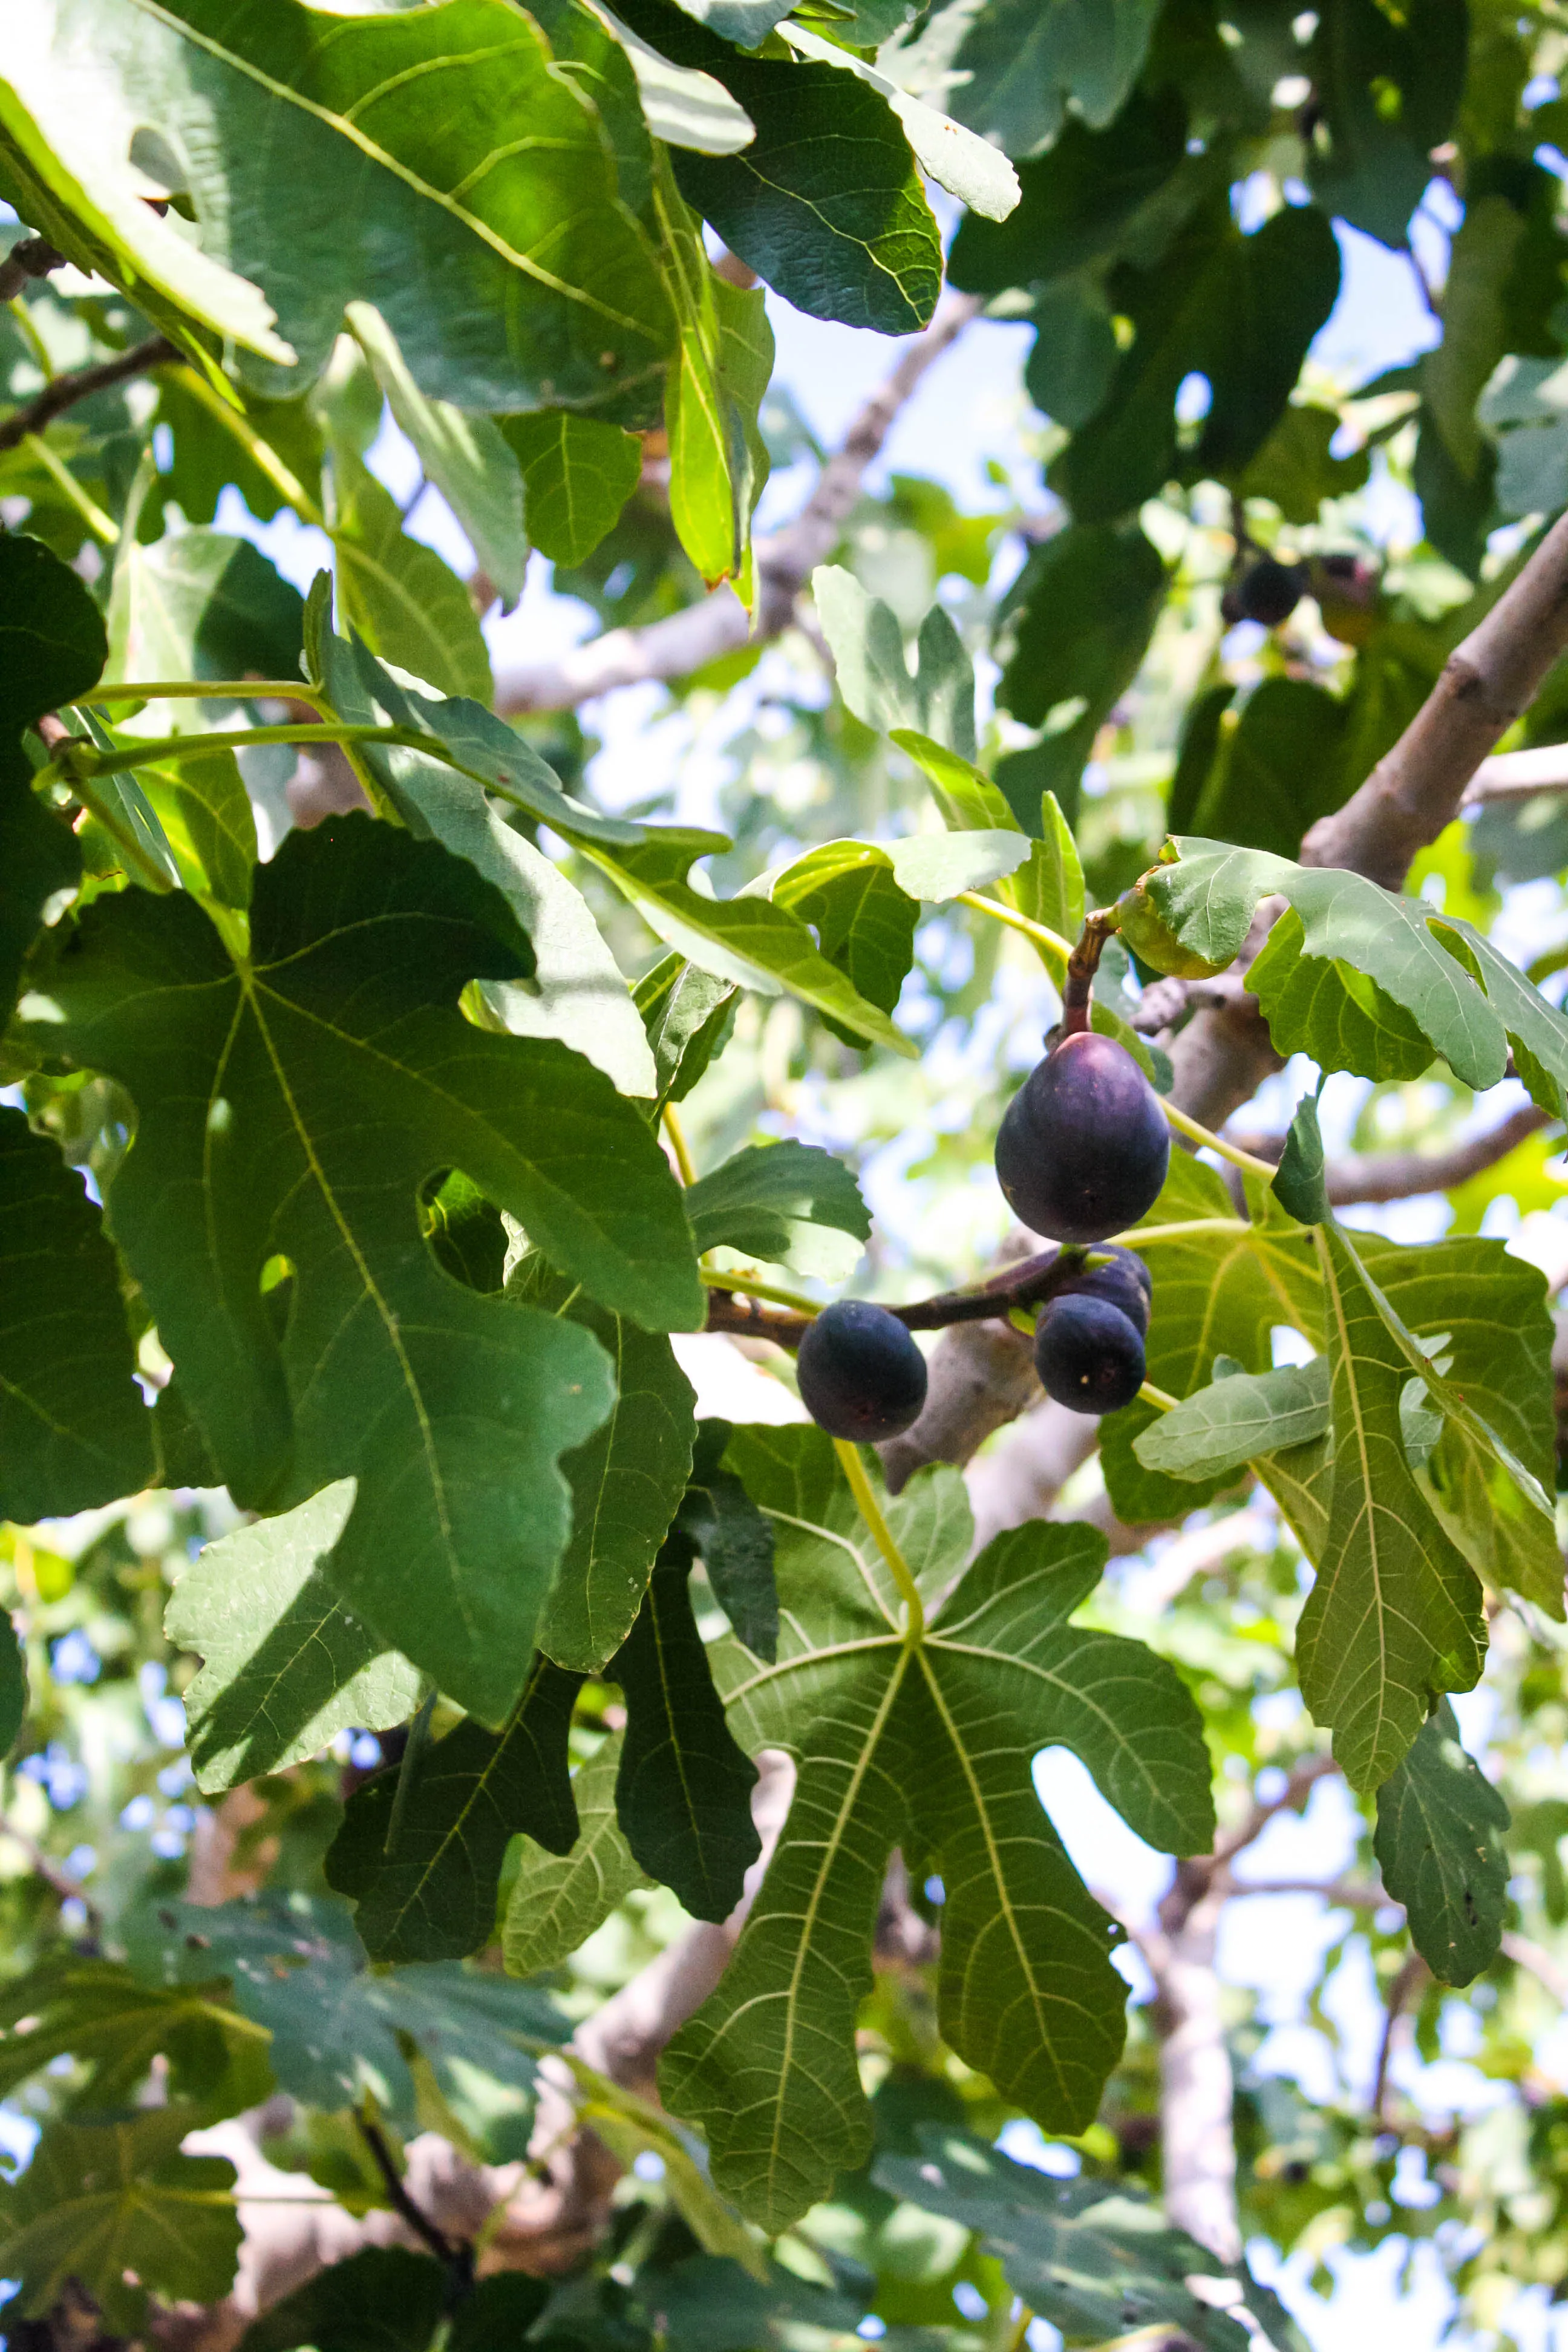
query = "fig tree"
{"x": 861, "y": 1373}
{"x": 1083, "y": 1146}
{"x": 1088, "y": 1355}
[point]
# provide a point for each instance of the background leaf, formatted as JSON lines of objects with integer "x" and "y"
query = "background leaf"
{"x": 684, "y": 1789}
{"x": 100, "y": 2201}
{"x": 770, "y": 1200}
{"x": 579, "y": 475}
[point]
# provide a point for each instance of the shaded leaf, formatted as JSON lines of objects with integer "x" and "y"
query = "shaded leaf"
{"x": 558, "y": 1900}
{"x": 109, "y": 2204}
{"x": 579, "y": 474}
{"x": 115, "y": 2031}
{"x": 421, "y": 1862}
{"x": 1079, "y": 617}
{"x": 1093, "y": 2257}
{"x": 708, "y": 2303}
{"x": 1395, "y": 1617}
{"x": 852, "y": 242}
{"x": 254, "y": 1091}
{"x": 202, "y": 604}
{"x": 383, "y": 2299}
{"x": 1024, "y": 65}
{"x": 683, "y": 1792}
{"x": 863, "y": 920}
{"x": 287, "y": 1664}
{"x": 52, "y": 643}
{"x": 1239, "y": 311}
{"x": 206, "y": 813}
{"x": 13, "y": 1683}
{"x": 74, "y": 1431}
{"x": 968, "y": 167}
{"x": 1302, "y": 1186}
{"x": 340, "y": 2030}
{"x": 734, "y": 1542}
{"x": 1439, "y": 1846}
{"x": 626, "y": 1483}
{"x": 1295, "y": 468}
{"x": 1388, "y": 90}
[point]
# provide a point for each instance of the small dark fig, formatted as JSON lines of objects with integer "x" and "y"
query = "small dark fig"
{"x": 861, "y": 1373}
{"x": 1268, "y": 590}
{"x": 1083, "y": 1146}
{"x": 1125, "y": 1283}
{"x": 1089, "y": 1356}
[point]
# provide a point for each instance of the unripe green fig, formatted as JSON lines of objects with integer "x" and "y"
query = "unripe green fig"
{"x": 1083, "y": 1146}
{"x": 861, "y": 1374}
{"x": 1089, "y": 1356}
{"x": 1144, "y": 931}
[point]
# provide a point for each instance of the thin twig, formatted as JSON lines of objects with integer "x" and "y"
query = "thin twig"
{"x": 80, "y": 385}
{"x": 1408, "y": 1979}
{"x": 445, "y": 2250}
{"x": 33, "y": 257}
{"x": 1487, "y": 682}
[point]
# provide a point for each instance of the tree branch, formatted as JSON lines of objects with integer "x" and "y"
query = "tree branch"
{"x": 1416, "y": 788}
{"x": 65, "y": 391}
{"x": 31, "y": 257}
{"x": 687, "y": 641}
{"x": 1517, "y": 775}
{"x": 1397, "y": 1175}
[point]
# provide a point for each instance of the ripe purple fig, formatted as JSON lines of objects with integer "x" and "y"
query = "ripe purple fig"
{"x": 1268, "y": 590}
{"x": 861, "y": 1374}
{"x": 1125, "y": 1283}
{"x": 1083, "y": 1146}
{"x": 1090, "y": 1357}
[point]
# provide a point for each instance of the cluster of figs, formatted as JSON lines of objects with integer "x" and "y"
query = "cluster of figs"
{"x": 1081, "y": 1153}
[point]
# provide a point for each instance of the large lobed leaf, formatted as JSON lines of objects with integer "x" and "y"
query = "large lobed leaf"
{"x": 1093, "y": 2257}
{"x": 925, "y": 1744}
{"x": 376, "y": 158}
{"x": 117, "y": 2209}
{"x": 341, "y": 2031}
{"x": 292, "y": 1102}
